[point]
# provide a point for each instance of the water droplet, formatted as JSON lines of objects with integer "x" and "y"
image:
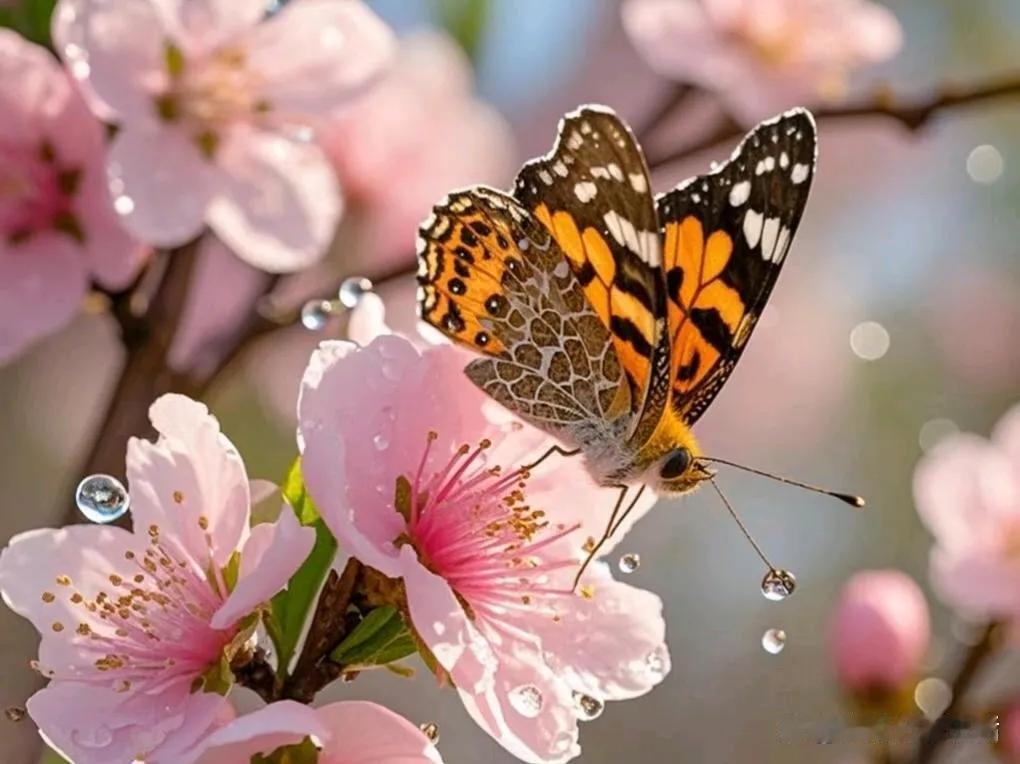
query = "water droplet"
{"x": 629, "y": 562}
{"x": 933, "y": 696}
{"x": 778, "y": 584}
{"x": 869, "y": 340}
{"x": 124, "y": 204}
{"x": 352, "y": 290}
{"x": 431, "y": 731}
{"x": 657, "y": 662}
{"x": 588, "y": 707}
{"x": 985, "y": 164}
{"x": 315, "y": 314}
{"x": 773, "y": 640}
{"x": 381, "y": 442}
{"x": 526, "y": 700}
{"x": 15, "y": 713}
{"x": 102, "y": 498}
{"x": 98, "y": 737}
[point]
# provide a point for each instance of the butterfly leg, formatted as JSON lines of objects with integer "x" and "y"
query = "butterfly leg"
{"x": 553, "y": 450}
{"x": 611, "y": 527}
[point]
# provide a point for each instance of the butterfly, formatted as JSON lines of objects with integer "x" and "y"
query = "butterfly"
{"x": 605, "y": 315}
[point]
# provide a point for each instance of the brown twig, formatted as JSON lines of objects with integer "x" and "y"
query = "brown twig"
{"x": 942, "y": 728}
{"x": 911, "y": 115}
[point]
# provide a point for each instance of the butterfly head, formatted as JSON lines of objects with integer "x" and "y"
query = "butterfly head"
{"x": 678, "y": 471}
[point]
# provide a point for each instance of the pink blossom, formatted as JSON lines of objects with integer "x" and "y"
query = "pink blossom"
{"x": 967, "y": 491}
{"x": 417, "y": 134}
{"x": 212, "y": 102}
{"x": 761, "y": 56}
{"x": 418, "y": 480}
{"x": 351, "y": 732}
{"x": 879, "y": 631}
{"x": 57, "y": 229}
{"x": 131, "y": 620}
{"x": 1009, "y": 733}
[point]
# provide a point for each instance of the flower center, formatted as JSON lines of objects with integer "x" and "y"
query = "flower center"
{"x": 472, "y": 524}
{"x": 35, "y": 192}
{"x": 152, "y": 623}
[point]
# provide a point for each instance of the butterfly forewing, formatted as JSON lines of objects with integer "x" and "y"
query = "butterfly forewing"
{"x": 494, "y": 279}
{"x": 593, "y": 194}
{"x": 725, "y": 237}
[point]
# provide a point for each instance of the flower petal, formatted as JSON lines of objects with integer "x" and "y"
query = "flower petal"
{"x": 279, "y": 203}
{"x": 980, "y": 585}
{"x": 361, "y": 732}
{"x": 272, "y": 554}
{"x": 1007, "y": 437}
{"x": 198, "y": 26}
{"x": 160, "y": 185}
{"x": 191, "y": 482}
{"x": 317, "y": 54}
{"x": 261, "y": 732}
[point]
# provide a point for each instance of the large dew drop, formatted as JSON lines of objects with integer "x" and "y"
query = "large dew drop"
{"x": 102, "y": 498}
{"x": 778, "y": 584}
{"x": 431, "y": 731}
{"x": 629, "y": 562}
{"x": 315, "y": 314}
{"x": 352, "y": 290}
{"x": 526, "y": 700}
{"x": 773, "y": 640}
{"x": 588, "y": 707}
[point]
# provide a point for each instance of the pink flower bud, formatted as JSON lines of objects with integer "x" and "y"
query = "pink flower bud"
{"x": 1009, "y": 732}
{"x": 879, "y": 631}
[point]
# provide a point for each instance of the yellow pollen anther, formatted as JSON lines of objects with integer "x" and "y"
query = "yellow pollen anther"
{"x": 116, "y": 580}
{"x": 58, "y": 626}
{"x": 84, "y": 629}
{"x": 433, "y": 435}
{"x": 526, "y": 599}
{"x": 203, "y": 522}
{"x": 587, "y": 591}
{"x": 589, "y": 544}
{"x": 178, "y": 497}
{"x": 48, "y": 596}
{"x": 64, "y": 580}
{"x": 76, "y": 598}
{"x": 485, "y": 443}
{"x": 154, "y": 531}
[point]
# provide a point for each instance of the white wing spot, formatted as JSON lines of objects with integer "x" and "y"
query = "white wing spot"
{"x": 560, "y": 169}
{"x": 781, "y": 246}
{"x": 600, "y": 172}
{"x": 760, "y": 167}
{"x": 800, "y": 173}
{"x": 546, "y": 177}
{"x": 740, "y": 192}
{"x": 574, "y": 141}
{"x": 770, "y": 164}
{"x": 615, "y": 171}
{"x": 638, "y": 182}
{"x": 586, "y": 127}
{"x": 752, "y": 227}
{"x": 784, "y": 160}
{"x": 561, "y": 269}
{"x": 585, "y": 191}
{"x": 769, "y": 232}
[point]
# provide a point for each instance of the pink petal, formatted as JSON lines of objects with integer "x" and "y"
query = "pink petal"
{"x": 978, "y": 584}
{"x": 368, "y": 320}
{"x": 318, "y": 54}
{"x": 272, "y": 554}
{"x": 114, "y": 257}
{"x": 115, "y": 49}
{"x": 199, "y": 26}
{"x": 94, "y": 725}
{"x": 160, "y": 185}
{"x": 42, "y": 282}
{"x": 33, "y": 90}
{"x": 611, "y": 646}
{"x": 1007, "y": 437}
{"x": 261, "y": 732}
{"x": 440, "y": 620}
{"x": 366, "y": 733}
{"x": 547, "y": 735}
{"x": 279, "y": 202}
{"x": 875, "y": 31}
{"x": 192, "y": 472}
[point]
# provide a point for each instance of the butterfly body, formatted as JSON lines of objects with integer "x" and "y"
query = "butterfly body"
{"x": 604, "y": 315}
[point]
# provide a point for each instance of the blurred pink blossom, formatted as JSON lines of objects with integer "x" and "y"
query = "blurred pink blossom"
{"x": 351, "y": 732}
{"x": 1009, "y": 733}
{"x": 967, "y": 491}
{"x": 212, "y": 102}
{"x": 879, "y": 631}
{"x": 487, "y": 572}
{"x": 57, "y": 228}
{"x": 129, "y": 621}
{"x": 761, "y": 56}
{"x": 419, "y": 133}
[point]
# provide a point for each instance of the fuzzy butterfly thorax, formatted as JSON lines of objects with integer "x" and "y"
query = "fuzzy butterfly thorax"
{"x": 605, "y": 315}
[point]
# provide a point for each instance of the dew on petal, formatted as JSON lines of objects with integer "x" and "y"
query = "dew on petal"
{"x": 657, "y": 662}
{"x": 778, "y": 584}
{"x": 315, "y": 314}
{"x": 98, "y": 737}
{"x": 588, "y": 707}
{"x": 630, "y": 562}
{"x": 773, "y": 640}
{"x": 431, "y": 731}
{"x": 352, "y": 290}
{"x": 381, "y": 442}
{"x": 526, "y": 700}
{"x": 102, "y": 498}
{"x": 124, "y": 204}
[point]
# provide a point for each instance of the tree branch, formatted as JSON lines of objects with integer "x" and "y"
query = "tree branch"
{"x": 911, "y": 115}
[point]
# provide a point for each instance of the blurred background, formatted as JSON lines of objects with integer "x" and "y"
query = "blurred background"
{"x": 895, "y": 323}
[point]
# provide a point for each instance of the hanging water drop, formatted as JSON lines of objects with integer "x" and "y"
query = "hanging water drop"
{"x": 778, "y": 584}
{"x": 773, "y": 640}
{"x": 588, "y": 707}
{"x": 381, "y": 442}
{"x": 630, "y": 562}
{"x": 657, "y": 662}
{"x": 15, "y": 713}
{"x": 352, "y": 290}
{"x": 431, "y": 731}
{"x": 526, "y": 700}
{"x": 102, "y": 498}
{"x": 315, "y": 314}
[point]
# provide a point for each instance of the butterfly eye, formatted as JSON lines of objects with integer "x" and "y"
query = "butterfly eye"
{"x": 676, "y": 465}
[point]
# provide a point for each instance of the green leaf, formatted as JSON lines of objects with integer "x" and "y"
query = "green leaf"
{"x": 381, "y": 638}
{"x": 304, "y": 752}
{"x": 466, "y": 21}
{"x": 292, "y": 607}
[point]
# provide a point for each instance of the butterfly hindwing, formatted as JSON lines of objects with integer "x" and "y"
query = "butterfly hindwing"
{"x": 725, "y": 236}
{"x": 494, "y": 279}
{"x": 593, "y": 194}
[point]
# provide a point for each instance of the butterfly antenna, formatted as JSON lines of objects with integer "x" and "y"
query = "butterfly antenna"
{"x": 853, "y": 501}
{"x": 740, "y": 524}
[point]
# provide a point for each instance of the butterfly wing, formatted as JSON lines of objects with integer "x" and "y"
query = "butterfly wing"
{"x": 493, "y": 278}
{"x": 592, "y": 193}
{"x": 725, "y": 237}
